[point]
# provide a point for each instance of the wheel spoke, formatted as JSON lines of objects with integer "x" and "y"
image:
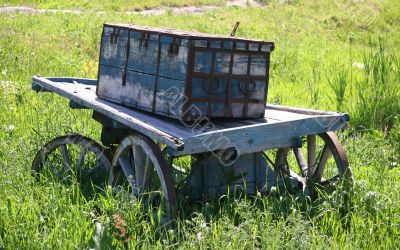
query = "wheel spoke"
{"x": 326, "y": 153}
{"x": 311, "y": 154}
{"x": 319, "y": 168}
{"x": 97, "y": 167}
{"x": 56, "y": 161}
{"x": 140, "y": 165}
{"x": 139, "y": 157}
{"x": 281, "y": 161}
{"x": 148, "y": 174}
{"x": 81, "y": 158}
{"x": 53, "y": 170}
{"x": 124, "y": 163}
{"x": 66, "y": 158}
{"x": 301, "y": 161}
{"x": 143, "y": 169}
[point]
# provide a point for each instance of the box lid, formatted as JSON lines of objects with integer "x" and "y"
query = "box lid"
{"x": 189, "y": 35}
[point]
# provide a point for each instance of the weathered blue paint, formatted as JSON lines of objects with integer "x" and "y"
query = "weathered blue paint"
{"x": 249, "y": 173}
{"x": 148, "y": 68}
{"x": 280, "y": 128}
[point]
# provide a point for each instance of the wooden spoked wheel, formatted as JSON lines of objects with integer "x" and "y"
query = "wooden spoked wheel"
{"x": 321, "y": 163}
{"x": 72, "y": 157}
{"x": 139, "y": 169}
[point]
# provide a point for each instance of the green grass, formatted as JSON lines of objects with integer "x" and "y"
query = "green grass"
{"x": 377, "y": 103}
{"x": 315, "y": 43}
{"x": 115, "y": 5}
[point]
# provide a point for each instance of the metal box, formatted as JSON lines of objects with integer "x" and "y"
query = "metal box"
{"x": 183, "y": 75}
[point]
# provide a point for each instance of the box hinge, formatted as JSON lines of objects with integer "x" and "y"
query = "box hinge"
{"x": 144, "y": 40}
{"x": 114, "y": 35}
{"x": 174, "y": 46}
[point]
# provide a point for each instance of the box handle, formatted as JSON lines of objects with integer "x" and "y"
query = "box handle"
{"x": 209, "y": 87}
{"x": 244, "y": 86}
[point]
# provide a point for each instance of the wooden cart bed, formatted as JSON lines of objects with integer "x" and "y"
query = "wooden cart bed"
{"x": 281, "y": 127}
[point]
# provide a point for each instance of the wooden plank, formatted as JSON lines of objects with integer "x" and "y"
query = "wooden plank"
{"x": 255, "y": 121}
{"x": 302, "y": 110}
{"x": 284, "y": 115}
{"x": 241, "y": 123}
{"x": 85, "y": 81}
{"x": 281, "y": 128}
{"x": 259, "y": 137}
{"x": 128, "y": 117}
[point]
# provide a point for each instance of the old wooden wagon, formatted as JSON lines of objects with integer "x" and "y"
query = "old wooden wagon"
{"x": 140, "y": 152}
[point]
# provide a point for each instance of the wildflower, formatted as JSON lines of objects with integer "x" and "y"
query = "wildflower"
{"x": 4, "y": 72}
{"x": 120, "y": 231}
{"x": 359, "y": 66}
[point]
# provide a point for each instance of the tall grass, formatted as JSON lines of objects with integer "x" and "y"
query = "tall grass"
{"x": 338, "y": 81}
{"x": 313, "y": 87}
{"x": 377, "y": 94}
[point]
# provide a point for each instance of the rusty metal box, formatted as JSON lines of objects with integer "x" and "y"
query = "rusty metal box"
{"x": 183, "y": 74}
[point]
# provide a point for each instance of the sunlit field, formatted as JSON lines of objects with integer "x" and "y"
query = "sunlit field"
{"x": 329, "y": 55}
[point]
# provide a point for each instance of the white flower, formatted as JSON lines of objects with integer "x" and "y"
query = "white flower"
{"x": 4, "y": 72}
{"x": 358, "y": 65}
{"x": 11, "y": 127}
